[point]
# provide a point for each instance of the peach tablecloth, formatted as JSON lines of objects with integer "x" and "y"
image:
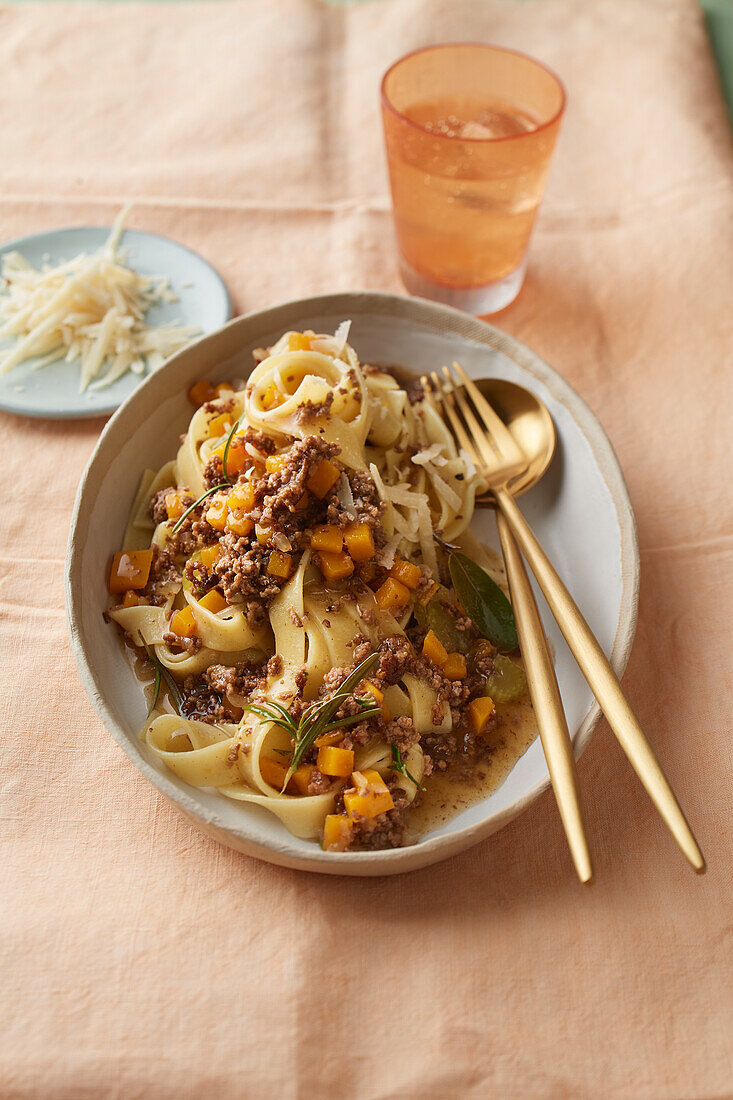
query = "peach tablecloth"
{"x": 141, "y": 960}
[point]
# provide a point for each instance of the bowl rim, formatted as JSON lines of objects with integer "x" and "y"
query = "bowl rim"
{"x": 425, "y": 314}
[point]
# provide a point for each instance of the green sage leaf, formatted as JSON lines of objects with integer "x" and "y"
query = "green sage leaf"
{"x": 483, "y": 601}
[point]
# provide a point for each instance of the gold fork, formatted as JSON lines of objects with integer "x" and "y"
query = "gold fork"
{"x": 491, "y": 441}
{"x": 541, "y": 680}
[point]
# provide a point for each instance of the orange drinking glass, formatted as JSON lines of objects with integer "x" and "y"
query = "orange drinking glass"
{"x": 469, "y": 130}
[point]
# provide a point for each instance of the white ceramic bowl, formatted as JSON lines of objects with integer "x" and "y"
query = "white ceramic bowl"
{"x": 580, "y": 511}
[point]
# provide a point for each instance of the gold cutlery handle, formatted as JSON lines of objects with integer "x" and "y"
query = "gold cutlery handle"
{"x": 602, "y": 681}
{"x": 547, "y": 704}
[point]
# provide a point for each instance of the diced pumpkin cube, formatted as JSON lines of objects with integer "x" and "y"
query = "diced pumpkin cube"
{"x": 392, "y": 595}
{"x": 238, "y": 457}
{"x": 183, "y": 623}
{"x": 334, "y": 761}
{"x": 480, "y": 711}
{"x": 337, "y": 831}
{"x": 302, "y": 503}
{"x": 434, "y": 650}
{"x": 428, "y": 594}
{"x": 378, "y": 696}
{"x": 238, "y": 523}
{"x": 273, "y": 463}
{"x": 272, "y": 397}
{"x": 223, "y": 389}
{"x": 371, "y": 796}
{"x": 323, "y": 478}
{"x": 220, "y": 425}
{"x": 213, "y": 601}
{"x": 332, "y": 738}
{"x": 454, "y": 667}
{"x": 242, "y": 496}
{"x": 335, "y": 567}
{"x": 327, "y": 537}
{"x": 273, "y": 772}
{"x": 130, "y": 569}
{"x": 280, "y": 564}
{"x": 359, "y": 541}
{"x": 130, "y": 599}
{"x": 298, "y": 341}
{"x": 174, "y": 505}
{"x": 406, "y": 572}
{"x": 209, "y": 555}
{"x": 216, "y": 513}
{"x": 201, "y": 392}
{"x": 302, "y": 777}
{"x": 262, "y": 533}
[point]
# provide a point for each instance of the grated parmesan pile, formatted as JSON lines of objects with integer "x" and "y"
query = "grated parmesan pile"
{"x": 89, "y": 310}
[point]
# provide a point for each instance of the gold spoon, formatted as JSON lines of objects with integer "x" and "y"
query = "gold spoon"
{"x": 541, "y": 680}
{"x": 530, "y": 427}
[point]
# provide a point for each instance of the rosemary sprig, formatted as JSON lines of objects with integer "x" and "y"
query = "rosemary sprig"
{"x": 398, "y": 765}
{"x": 162, "y": 672}
{"x": 156, "y": 692}
{"x": 204, "y": 495}
{"x": 318, "y": 718}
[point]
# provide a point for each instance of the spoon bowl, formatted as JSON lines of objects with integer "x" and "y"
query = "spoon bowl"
{"x": 531, "y": 425}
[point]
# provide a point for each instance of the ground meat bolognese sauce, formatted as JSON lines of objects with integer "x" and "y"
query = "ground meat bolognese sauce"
{"x": 282, "y": 581}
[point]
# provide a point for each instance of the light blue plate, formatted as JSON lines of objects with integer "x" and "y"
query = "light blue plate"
{"x": 53, "y": 391}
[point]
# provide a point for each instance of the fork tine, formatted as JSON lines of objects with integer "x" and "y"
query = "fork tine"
{"x": 480, "y": 438}
{"x": 464, "y": 439}
{"x": 505, "y": 442}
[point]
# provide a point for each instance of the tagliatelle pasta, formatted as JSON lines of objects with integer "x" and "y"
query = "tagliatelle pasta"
{"x": 281, "y": 574}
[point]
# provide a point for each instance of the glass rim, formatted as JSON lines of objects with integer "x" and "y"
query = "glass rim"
{"x": 474, "y": 46}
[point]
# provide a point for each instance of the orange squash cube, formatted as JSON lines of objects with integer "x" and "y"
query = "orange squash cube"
{"x": 213, "y": 601}
{"x": 201, "y": 392}
{"x": 378, "y": 696}
{"x": 209, "y": 555}
{"x": 359, "y": 541}
{"x": 323, "y": 478}
{"x": 302, "y": 777}
{"x": 280, "y": 564}
{"x": 371, "y": 796}
{"x": 220, "y": 425}
{"x": 183, "y": 623}
{"x": 332, "y": 738}
{"x": 434, "y": 650}
{"x": 238, "y": 523}
{"x": 302, "y": 503}
{"x": 130, "y": 569}
{"x": 222, "y": 389}
{"x": 130, "y": 599}
{"x": 216, "y": 513}
{"x": 272, "y": 397}
{"x": 327, "y": 537}
{"x": 335, "y": 567}
{"x": 238, "y": 457}
{"x": 174, "y": 505}
{"x": 337, "y": 830}
{"x": 298, "y": 341}
{"x": 273, "y": 463}
{"x": 273, "y": 772}
{"x": 454, "y": 667}
{"x": 334, "y": 761}
{"x": 242, "y": 496}
{"x": 406, "y": 572}
{"x": 479, "y": 713}
{"x": 392, "y": 595}
{"x": 428, "y": 594}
